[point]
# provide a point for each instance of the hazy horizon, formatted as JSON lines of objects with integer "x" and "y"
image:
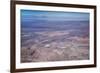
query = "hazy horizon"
{"x": 32, "y": 15}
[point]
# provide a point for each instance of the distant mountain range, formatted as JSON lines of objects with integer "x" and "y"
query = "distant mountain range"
{"x": 54, "y": 25}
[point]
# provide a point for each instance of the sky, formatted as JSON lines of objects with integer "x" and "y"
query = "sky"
{"x": 33, "y": 15}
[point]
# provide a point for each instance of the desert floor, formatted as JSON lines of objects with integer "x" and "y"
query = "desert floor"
{"x": 54, "y": 46}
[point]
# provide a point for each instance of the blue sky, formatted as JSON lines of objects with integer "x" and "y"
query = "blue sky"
{"x": 32, "y": 15}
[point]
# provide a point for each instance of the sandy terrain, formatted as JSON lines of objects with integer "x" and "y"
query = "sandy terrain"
{"x": 55, "y": 46}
